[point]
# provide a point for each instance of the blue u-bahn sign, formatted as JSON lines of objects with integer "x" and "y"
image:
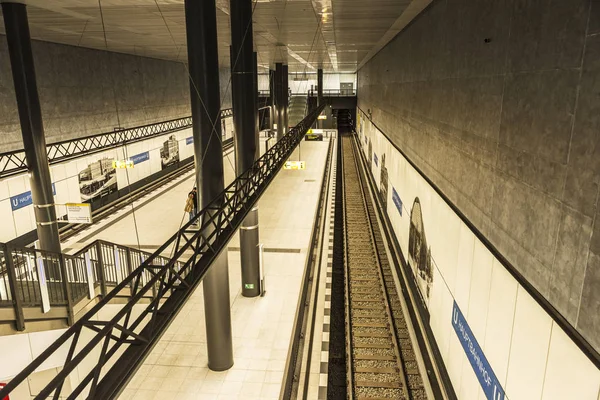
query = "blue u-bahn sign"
{"x": 139, "y": 158}
{"x": 397, "y": 201}
{"x": 24, "y": 199}
{"x": 482, "y": 368}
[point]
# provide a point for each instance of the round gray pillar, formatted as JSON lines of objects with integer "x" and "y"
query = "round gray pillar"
{"x": 203, "y": 62}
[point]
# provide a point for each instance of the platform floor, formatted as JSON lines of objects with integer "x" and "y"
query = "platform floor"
{"x": 177, "y": 367}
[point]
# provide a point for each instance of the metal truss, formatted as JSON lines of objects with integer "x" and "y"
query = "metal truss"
{"x": 14, "y": 162}
{"x": 119, "y": 345}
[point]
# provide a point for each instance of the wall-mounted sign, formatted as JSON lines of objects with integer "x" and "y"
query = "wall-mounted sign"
{"x": 79, "y": 213}
{"x": 397, "y": 201}
{"x": 322, "y": 117}
{"x": 189, "y": 140}
{"x": 122, "y": 164}
{"x": 294, "y": 165}
{"x": 487, "y": 379}
{"x": 140, "y": 158}
{"x": 314, "y": 134}
{"x": 24, "y": 199}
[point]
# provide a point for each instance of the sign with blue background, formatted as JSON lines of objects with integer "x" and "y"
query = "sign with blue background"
{"x": 140, "y": 158}
{"x": 189, "y": 140}
{"x": 487, "y": 379}
{"x": 375, "y": 159}
{"x": 25, "y": 199}
{"x": 397, "y": 201}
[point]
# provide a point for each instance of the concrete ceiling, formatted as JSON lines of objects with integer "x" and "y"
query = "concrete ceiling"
{"x": 337, "y": 35}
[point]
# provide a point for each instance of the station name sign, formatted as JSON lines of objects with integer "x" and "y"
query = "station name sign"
{"x": 482, "y": 368}
{"x": 24, "y": 199}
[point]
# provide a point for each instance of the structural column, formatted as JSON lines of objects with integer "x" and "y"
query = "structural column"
{"x": 272, "y": 99}
{"x": 286, "y": 97}
{"x": 320, "y": 86}
{"x": 256, "y": 101}
{"x": 245, "y": 115}
{"x": 279, "y": 99}
{"x": 320, "y": 98}
{"x": 203, "y": 63}
{"x": 32, "y": 129}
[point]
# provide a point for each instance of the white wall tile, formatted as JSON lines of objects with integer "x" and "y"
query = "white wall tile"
{"x": 15, "y": 354}
{"x": 4, "y": 193}
{"x": 481, "y": 280}
{"x": 41, "y": 340}
{"x": 470, "y": 389}
{"x": 454, "y": 361}
{"x": 7, "y": 227}
{"x": 466, "y": 248}
{"x": 58, "y": 172}
{"x": 501, "y": 313}
{"x": 569, "y": 373}
{"x": 528, "y": 350}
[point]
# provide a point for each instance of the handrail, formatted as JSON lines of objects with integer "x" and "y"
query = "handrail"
{"x": 179, "y": 276}
{"x": 14, "y": 162}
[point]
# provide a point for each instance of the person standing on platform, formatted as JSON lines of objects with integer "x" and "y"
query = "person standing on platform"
{"x": 192, "y": 203}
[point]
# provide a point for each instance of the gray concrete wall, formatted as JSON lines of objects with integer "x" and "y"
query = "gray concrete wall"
{"x": 85, "y": 92}
{"x": 498, "y": 102}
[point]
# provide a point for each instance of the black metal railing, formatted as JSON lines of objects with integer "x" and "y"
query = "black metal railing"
{"x": 27, "y": 274}
{"x": 194, "y": 250}
{"x": 333, "y": 93}
{"x": 14, "y": 162}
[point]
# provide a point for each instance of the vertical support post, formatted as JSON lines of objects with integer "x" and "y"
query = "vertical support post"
{"x": 286, "y": 98}
{"x": 32, "y": 128}
{"x": 90, "y": 275}
{"x": 245, "y": 116}
{"x": 279, "y": 99}
{"x": 256, "y": 101}
{"x": 320, "y": 98}
{"x": 67, "y": 289}
{"x": 203, "y": 62}
{"x": 14, "y": 293}
{"x": 101, "y": 272}
{"x": 272, "y": 101}
{"x": 319, "y": 86}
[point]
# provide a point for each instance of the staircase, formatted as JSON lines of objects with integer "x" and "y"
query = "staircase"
{"x": 38, "y": 287}
{"x": 298, "y": 109}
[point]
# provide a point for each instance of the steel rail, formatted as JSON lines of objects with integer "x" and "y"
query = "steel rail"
{"x": 179, "y": 277}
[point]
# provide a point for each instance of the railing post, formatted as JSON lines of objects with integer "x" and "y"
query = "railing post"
{"x": 12, "y": 282}
{"x": 129, "y": 268}
{"x": 101, "y": 274}
{"x": 66, "y": 288}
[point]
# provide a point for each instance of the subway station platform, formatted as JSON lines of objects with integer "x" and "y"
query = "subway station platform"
{"x": 262, "y": 326}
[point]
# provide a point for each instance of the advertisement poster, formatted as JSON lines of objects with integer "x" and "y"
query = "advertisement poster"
{"x": 383, "y": 182}
{"x": 98, "y": 179}
{"x": 169, "y": 152}
{"x": 419, "y": 254}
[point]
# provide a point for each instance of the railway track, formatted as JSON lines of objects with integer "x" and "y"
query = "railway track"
{"x": 380, "y": 360}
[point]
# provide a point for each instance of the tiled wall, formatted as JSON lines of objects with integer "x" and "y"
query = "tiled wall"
{"x": 65, "y": 176}
{"x": 529, "y": 353}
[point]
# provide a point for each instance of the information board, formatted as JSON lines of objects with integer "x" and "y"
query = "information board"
{"x": 79, "y": 213}
{"x": 294, "y": 165}
{"x": 122, "y": 164}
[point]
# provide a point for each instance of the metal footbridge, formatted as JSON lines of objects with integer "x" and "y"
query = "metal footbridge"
{"x": 161, "y": 286}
